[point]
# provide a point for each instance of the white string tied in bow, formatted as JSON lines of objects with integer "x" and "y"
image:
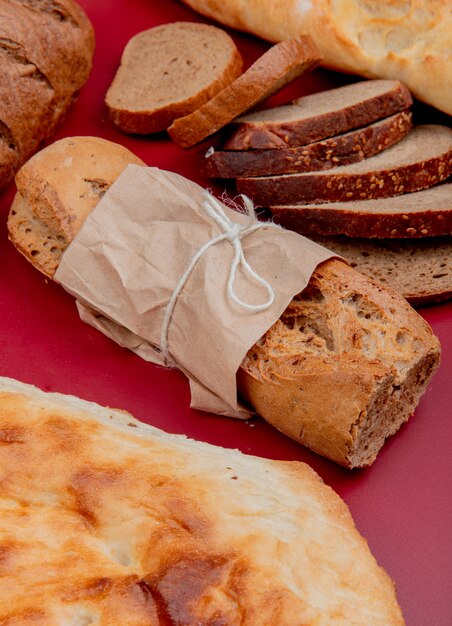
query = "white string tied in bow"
{"x": 234, "y": 232}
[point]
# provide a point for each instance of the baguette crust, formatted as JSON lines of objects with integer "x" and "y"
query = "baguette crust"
{"x": 137, "y": 527}
{"x": 258, "y": 131}
{"x": 324, "y": 337}
{"x": 407, "y": 40}
{"x": 128, "y": 109}
{"x": 343, "y": 149}
{"x": 276, "y": 68}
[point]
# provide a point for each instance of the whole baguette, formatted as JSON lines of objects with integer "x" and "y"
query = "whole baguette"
{"x": 133, "y": 524}
{"x": 341, "y": 370}
{"x": 385, "y": 39}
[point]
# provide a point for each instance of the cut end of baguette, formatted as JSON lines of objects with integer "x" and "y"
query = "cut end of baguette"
{"x": 56, "y": 190}
{"x": 169, "y": 71}
{"x": 348, "y": 334}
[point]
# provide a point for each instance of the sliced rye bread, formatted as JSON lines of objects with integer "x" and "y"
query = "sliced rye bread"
{"x": 420, "y": 270}
{"x": 276, "y": 68}
{"x": 420, "y": 214}
{"x": 344, "y": 149}
{"x": 169, "y": 71}
{"x": 419, "y": 160}
{"x": 320, "y": 115}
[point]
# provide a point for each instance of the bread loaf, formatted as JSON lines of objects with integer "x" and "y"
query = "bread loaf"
{"x": 404, "y": 39}
{"x": 134, "y": 526}
{"x": 169, "y": 71}
{"x": 341, "y": 370}
{"x": 272, "y": 71}
{"x": 46, "y": 51}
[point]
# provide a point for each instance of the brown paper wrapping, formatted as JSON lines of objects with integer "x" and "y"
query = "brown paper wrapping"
{"x": 130, "y": 254}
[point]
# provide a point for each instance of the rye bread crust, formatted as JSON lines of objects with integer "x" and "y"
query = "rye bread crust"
{"x": 135, "y": 118}
{"x": 420, "y": 160}
{"x": 253, "y": 135}
{"x": 422, "y": 214}
{"x": 342, "y": 149}
{"x": 273, "y": 70}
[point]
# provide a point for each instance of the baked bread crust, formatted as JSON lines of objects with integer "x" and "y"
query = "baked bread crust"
{"x": 421, "y": 214}
{"x": 46, "y": 51}
{"x": 342, "y": 149}
{"x": 419, "y": 269}
{"x": 319, "y": 115}
{"x": 385, "y": 39}
{"x": 272, "y": 71}
{"x": 420, "y": 160}
{"x": 343, "y": 328}
{"x": 142, "y": 75}
{"x": 137, "y": 527}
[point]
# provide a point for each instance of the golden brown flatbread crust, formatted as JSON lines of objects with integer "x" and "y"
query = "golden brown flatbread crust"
{"x": 105, "y": 520}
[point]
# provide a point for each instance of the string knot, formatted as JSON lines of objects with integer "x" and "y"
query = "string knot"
{"x": 233, "y": 232}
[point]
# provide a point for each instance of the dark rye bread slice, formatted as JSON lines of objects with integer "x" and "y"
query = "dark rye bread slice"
{"x": 420, "y": 270}
{"x": 321, "y": 155}
{"x": 420, "y": 214}
{"x": 169, "y": 71}
{"x": 421, "y": 159}
{"x": 320, "y": 115}
{"x": 276, "y": 68}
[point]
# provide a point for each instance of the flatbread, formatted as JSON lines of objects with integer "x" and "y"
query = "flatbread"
{"x": 107, "y": 521}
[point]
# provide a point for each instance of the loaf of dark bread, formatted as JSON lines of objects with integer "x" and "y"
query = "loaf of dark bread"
{"x": 46, "y": 51}
{"x": 340, "y": 371}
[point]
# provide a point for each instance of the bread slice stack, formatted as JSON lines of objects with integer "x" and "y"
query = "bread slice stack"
{"x": 346, "y": 168}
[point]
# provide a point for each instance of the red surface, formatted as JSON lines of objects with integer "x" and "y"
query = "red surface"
{"x": 402, "y": 504}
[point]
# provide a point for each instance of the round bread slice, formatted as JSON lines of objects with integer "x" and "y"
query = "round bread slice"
{"x": 420, "y": 270}
{"x": 169, "y": 71}
{"x": 320, "y": 115}
{"x": 273, "y": 70}
{"x": 418, "y": 161}
{"x": 412, "y": 215}
{"x": 321, "y": 155}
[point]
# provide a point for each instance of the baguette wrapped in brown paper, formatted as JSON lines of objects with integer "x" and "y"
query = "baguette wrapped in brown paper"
{"x": 133, "y": 249}
{"x": 340, "y": 370}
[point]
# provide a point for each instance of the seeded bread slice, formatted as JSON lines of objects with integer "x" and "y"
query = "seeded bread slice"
{"x": 319, "y": 115}
{"x": 420, "y": 214}
{"x": 419, "y": 160}
{"x": 169, "y": 71}
{"x": 344, "y": 333}
{"x": 321, "y": 155}
{"x": 272, "y": 71}
{"x": 420, "y": 270}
